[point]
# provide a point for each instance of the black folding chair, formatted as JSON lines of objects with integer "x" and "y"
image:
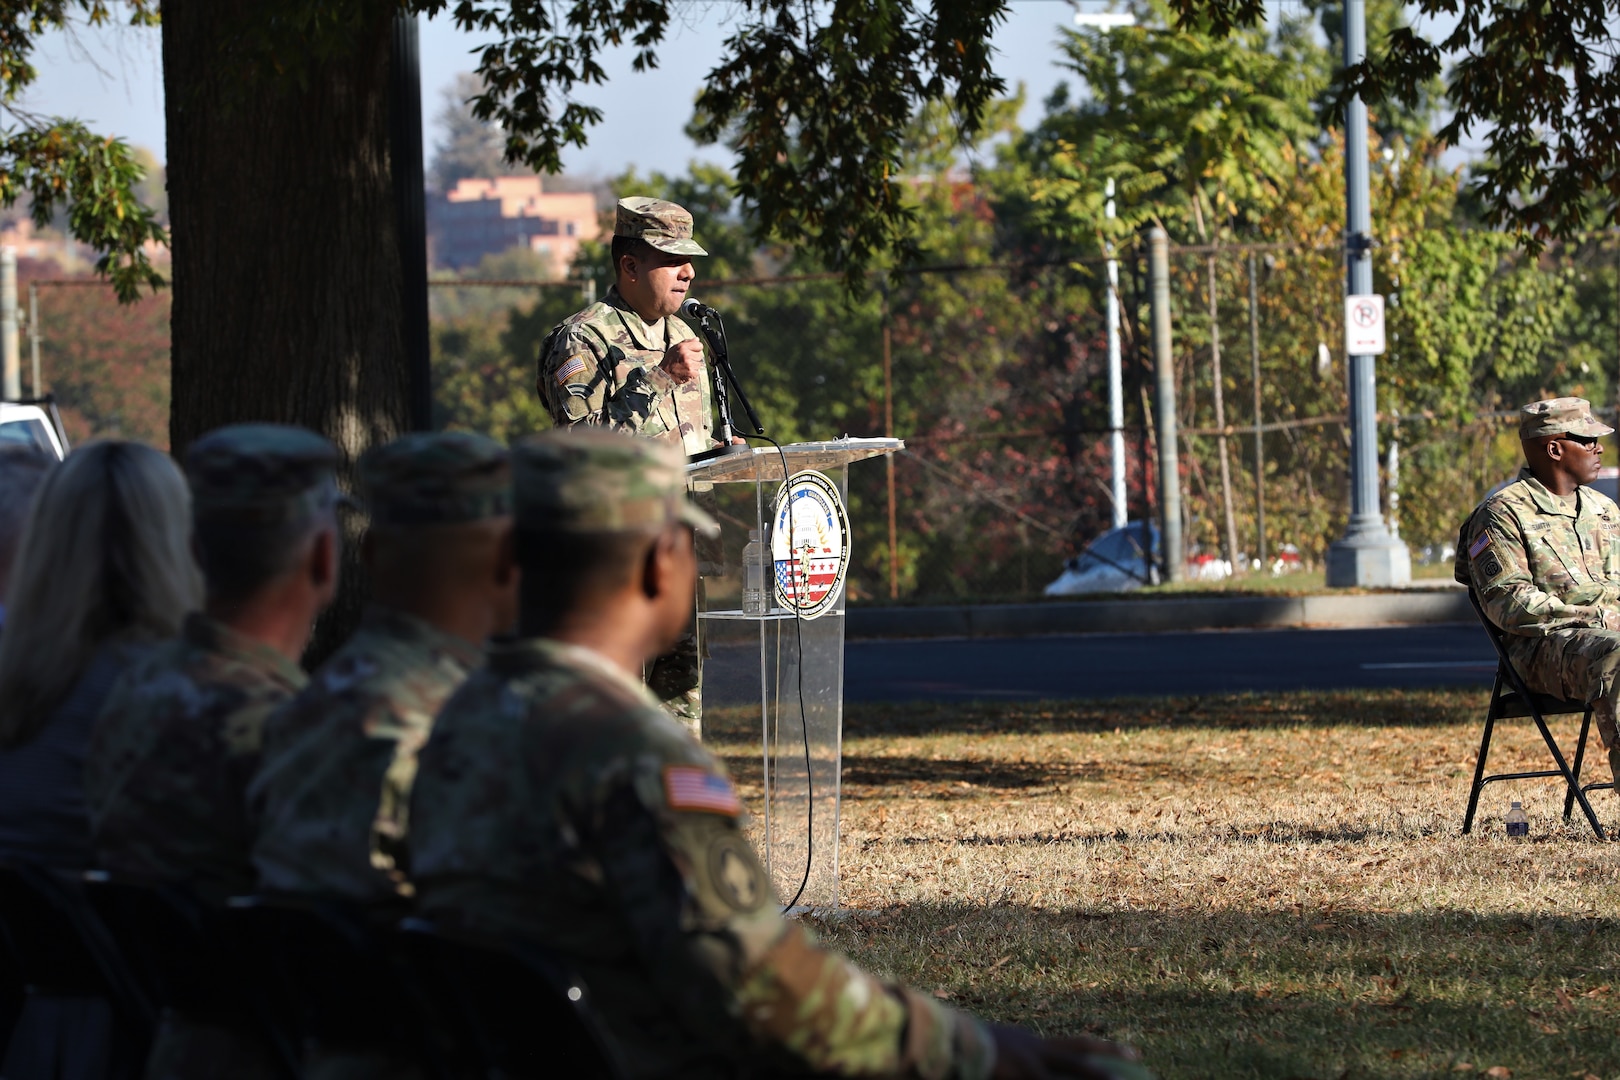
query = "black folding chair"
{"x": 175, "y": 947}
{"x": 333, "y": 980}
{"x": 1511, "y": 699}
{"x": 59, "y": 951}
{"x": 523, "y": 1013}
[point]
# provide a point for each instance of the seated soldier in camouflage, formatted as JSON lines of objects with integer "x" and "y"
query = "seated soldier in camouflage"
{"x": 332, "y": 793}
{"x": 557, "y": 803}
{"x": 1543, "y": 556}
{"x": 180, "y": 734}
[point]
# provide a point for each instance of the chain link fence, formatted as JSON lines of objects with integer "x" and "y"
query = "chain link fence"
{"x": 996, "y": 377}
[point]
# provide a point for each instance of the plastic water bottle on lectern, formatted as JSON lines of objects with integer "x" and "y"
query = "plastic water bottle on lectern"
{"x": 753, "y": 560}
{"x": 1518, "y": 823}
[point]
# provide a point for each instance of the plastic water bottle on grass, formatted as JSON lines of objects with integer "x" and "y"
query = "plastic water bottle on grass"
{"x": 753, "y": 562}
{"x": 1518, "y": 823}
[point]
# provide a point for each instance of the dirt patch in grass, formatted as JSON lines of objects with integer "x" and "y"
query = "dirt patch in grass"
{"x": 1255, "y": 885}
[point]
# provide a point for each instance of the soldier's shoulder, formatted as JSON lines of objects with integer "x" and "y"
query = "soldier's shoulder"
{"x": 392, "y": 663}
{"x": 585, "y": 320}
{"x": 1514, "y": 501}
{"x": 171, "y": 668}
{"x": 1601, "y": 503}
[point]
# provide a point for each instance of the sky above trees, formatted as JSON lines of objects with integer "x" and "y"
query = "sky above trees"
{"x": 111, "y": 79}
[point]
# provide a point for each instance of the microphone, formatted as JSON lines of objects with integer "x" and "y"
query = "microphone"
{"x": 694, "y": 309}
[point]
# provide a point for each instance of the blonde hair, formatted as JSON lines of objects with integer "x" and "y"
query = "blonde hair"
{"x": 105, "y": 555}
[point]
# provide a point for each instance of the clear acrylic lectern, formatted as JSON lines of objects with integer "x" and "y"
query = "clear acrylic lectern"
{"x": 784, "y": 670}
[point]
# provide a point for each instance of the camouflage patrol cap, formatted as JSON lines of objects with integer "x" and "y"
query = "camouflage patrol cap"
{"x": 664, "y": 225}
{"x": 1559, "y": 416}
{"x": 261, "y": 473}
{"x": 595, "y": 480}
{"x": 436, "y": 478}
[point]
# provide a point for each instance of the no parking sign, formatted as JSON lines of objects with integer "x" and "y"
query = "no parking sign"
{"x": 1364, "y": 325}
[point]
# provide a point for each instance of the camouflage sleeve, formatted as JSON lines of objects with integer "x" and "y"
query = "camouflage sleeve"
{"x": 1499, "y": 567}
{"x": 578, "y": 383}
{"x": 793, "y": 996}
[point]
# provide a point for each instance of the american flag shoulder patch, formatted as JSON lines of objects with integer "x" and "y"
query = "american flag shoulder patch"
{"x": 687, "y": 787}
{"x": 1479, "y": 545}
{"x": 575, "y": 365}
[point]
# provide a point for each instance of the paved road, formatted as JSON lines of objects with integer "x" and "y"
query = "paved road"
{"x": 1107, "y": 665}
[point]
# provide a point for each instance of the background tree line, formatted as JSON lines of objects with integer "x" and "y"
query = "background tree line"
{"x": 999, "y": 383}
{"x": 1218, "y": 134}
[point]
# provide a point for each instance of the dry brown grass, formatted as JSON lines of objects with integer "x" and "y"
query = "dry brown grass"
{"x": 1268, "y": 886}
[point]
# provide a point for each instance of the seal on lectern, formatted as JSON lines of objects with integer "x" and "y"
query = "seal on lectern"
{"x": 809, "y": 544}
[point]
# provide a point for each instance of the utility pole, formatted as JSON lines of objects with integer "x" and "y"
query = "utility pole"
{"x": 1367, "y": 554}
{"x": 10, "y": 347}
{"x": 1116, "y": 381}
{"x": 1220, "y": 421}
{"x": 888, "y": 459}
{"x": 33, "y": 332}
{"x": 1175, "y": 561}
{"x": 1259, "y": 443}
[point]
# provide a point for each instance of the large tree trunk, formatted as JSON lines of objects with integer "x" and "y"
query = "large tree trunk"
{"x": 287, "y": 283}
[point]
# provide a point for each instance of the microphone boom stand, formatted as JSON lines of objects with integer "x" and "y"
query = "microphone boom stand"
{"x": 714, "y": 330}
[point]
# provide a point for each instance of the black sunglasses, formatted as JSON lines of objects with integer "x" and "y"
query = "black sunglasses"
{"x": 1588, "y": 441}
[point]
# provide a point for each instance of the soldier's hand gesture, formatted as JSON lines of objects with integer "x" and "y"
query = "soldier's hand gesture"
{"x": 683, "y": 360}
{"x": 1023, "y": 1055}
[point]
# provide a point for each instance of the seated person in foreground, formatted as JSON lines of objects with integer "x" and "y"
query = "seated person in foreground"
{"x": 332, "y": 791}
{"x": 557, "y": 803}
{"x": 1543, "y": 557}
{"x": 179, "y": 736}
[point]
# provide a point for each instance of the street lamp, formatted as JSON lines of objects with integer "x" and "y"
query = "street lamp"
{"x": 1368, "y": 553}
{"x": 1112, "y": 20}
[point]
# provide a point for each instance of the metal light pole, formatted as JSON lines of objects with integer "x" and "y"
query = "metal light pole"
{"x": 1116, "y": 382}
{"x": 1113, "y": 20}
{"x": 1367, "y": 554}
{"x": 10, "y": 352}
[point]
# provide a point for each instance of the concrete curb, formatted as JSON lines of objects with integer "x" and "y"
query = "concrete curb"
{"x": 1404, "y": 607}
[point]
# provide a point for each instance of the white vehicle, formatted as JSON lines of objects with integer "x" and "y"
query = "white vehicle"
{"x": 1117, "y": 561}
{"x": 31, "y": 423}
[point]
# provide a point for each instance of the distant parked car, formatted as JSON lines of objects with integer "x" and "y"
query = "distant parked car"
{"x": 27, "y": 422}
{"x": 1608, "y": 482}
{"x": 1117, "y": 561}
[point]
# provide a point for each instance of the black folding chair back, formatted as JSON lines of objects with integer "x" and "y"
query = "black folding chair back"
{"x": 59, "y": 949}
{"x": 524, "y": 1013}
{"x": 1512, "y": 699}
{"x": 174, "y": 944}
{"x": 334, "y": 980}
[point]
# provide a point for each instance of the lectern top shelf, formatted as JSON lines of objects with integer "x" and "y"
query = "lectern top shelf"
{"x": 765, "y": 462}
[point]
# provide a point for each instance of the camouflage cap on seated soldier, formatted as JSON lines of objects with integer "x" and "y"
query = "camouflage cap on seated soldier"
{"x": 261, "y": 473}
{"x": 662, "y": 224}
{"x": 436, "y": 478}
{"x": 591, "y": 480}
{"x": 1560, "y": 416}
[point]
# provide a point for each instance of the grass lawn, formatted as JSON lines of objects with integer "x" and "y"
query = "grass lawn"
{"x": 1258, "y": 885}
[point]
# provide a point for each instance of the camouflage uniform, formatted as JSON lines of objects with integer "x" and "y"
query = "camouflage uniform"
{"x": 1546, "y": 570}
{"x": 600, "y": 368}
{"x": 180, "y": 734}
{"x": 333, "y": 792}
{"x": 557, "y": 803}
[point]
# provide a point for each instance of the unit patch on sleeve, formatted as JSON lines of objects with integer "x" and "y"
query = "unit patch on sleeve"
{"x": 687, "y": 787}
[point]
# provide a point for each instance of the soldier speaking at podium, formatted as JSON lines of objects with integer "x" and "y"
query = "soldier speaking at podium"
{"x": 627, "y": 363}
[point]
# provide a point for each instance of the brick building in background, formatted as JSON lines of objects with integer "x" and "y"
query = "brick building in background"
{"x": 481, "y": 217}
